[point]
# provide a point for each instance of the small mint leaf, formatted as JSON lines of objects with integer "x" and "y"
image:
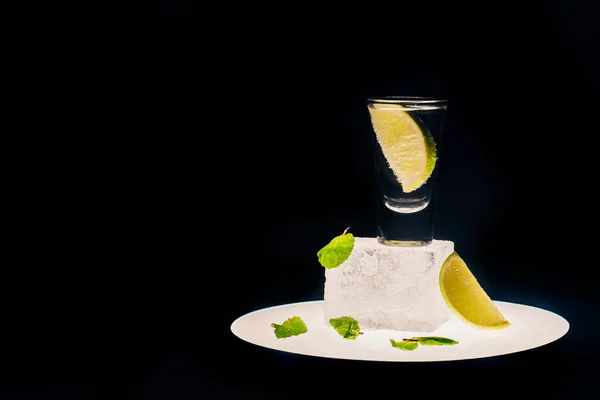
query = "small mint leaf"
{"x": 336, "y": 251}
{"x": 347, "y": 327}
{"x": 434, "y": 341}
{"x": 404, "y": 345}
{"x": 291, "y": 327}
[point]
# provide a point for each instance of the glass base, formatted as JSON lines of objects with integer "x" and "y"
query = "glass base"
{"x": 402, "y": 243}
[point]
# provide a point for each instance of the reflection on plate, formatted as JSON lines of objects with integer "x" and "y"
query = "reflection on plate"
{"x": 530, "y": 327}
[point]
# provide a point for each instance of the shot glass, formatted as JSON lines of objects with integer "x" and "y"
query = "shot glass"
{"x": 407, "y": 136}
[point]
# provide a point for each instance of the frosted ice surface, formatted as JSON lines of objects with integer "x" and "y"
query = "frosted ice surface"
{"x": 385, "y": 287}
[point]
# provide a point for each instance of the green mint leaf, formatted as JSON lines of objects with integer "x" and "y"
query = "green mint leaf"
{"x": 404, "y": 345}
{"x": 337, "y": 251}
{"x": 347, "y": 327}
{"x": 291, "y": 327}
{"x": 434, "y": 341}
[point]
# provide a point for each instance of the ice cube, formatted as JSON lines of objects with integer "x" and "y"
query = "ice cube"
{"x": 388, "y": 287}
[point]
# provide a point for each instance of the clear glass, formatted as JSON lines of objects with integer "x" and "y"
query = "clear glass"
{"x": 407, "y": 137}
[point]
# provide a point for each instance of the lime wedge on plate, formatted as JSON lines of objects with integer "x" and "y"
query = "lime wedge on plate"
{"x": 466, "y": 298}
{"x": 408, "y": 148}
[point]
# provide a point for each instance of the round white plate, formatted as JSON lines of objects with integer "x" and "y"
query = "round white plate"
{"x": 530, "y": 327}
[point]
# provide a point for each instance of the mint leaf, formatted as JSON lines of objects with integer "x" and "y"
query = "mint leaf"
{"x": 291, "y": 327}
{"x": 404, "y": 345}
{"x": 347, "y": 327}
{"x": 337, "y": 251}
{"x": 434, "y": 341}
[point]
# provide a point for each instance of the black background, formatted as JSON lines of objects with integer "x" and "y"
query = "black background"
{"x": 180, "y": 165}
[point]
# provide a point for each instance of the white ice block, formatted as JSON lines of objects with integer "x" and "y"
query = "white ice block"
{"x": 386, "y": 287}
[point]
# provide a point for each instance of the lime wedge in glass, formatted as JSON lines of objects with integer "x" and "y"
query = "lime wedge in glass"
{"x": 408, "y": 148}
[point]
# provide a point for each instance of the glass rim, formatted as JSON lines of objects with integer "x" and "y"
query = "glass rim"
{"x": 415, "y": 100}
